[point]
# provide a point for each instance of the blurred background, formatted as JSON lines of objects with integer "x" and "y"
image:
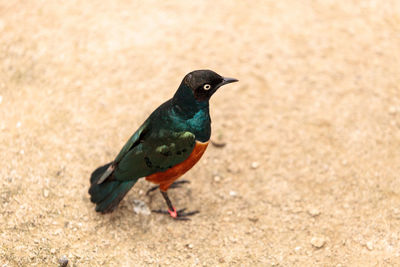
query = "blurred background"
{"x": 309, "y": 175}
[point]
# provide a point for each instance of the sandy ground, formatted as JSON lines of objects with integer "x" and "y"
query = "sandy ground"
{"x": 310, "y": 172}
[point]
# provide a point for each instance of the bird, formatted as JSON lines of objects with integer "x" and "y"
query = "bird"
{"x": 167, "y": 145}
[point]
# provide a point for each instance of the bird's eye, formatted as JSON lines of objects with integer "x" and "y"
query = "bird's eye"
{"x": 207, "y": 86}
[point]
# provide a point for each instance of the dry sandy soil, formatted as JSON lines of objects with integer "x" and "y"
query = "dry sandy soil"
{"x": 310, "y": 172}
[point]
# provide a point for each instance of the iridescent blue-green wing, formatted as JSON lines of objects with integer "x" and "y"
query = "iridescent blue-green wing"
{"x": 107, "y": 189}
{"x": 133, "y": 141}
{"x": 155, "y": 154}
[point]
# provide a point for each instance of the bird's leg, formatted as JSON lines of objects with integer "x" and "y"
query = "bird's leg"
{"x": 171, "y": 209}
{"x": 176, "y": 184}
{"x": 178, "y": 215}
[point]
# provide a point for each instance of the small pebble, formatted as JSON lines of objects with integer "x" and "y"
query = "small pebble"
{"x": 57, "y": 232}
{"x": 232, "y": 193}
{"x": 189, "y": 246}
{"x": 63, "y": 261}
{"x": 45, "y": 193}
{"x": 396, "y": 213}
{"x": 139, "y": 207}
{"x": 233, "y": 240}
{"x": 370, "y": 245}
{"x": 318, "y": 242}
{"x": 253, "y": 219}
{"x": 217, "y": 178}
{"x": 53, "y": 250}
{"x": 392, "y": 110}
{"x": 314, "y": 212}
{"x": 255, "y": 165}
{"x": 297, "y": 210}
{"x": 1, "y": 99}
{"x": 18, "y": 124}
{"x": 233, "y": 169}
{"x": 297, "y": 249}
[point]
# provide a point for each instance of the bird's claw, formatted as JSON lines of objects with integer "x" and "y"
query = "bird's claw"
{"x": 177, "y": 215}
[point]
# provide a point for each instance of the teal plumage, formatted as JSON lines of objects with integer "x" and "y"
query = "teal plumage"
{"x": 166, "y": 139}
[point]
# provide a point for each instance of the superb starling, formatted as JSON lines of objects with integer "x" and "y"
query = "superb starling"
{"x": 168, "y": 144}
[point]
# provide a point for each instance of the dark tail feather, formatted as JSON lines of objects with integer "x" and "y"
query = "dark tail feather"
{"x": 98, "y": 172}
{"x": 114, "y": 192}
{"x": 108, "y": 194}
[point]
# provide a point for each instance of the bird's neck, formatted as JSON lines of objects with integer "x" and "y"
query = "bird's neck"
{"x": 185, "y": 102}
{"x": 191, "y": 114}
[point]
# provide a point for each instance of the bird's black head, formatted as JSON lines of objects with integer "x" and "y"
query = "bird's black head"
{"x": 204, "y": 83}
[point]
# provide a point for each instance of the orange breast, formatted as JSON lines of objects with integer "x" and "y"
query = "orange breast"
{"x": 166, "y": 178}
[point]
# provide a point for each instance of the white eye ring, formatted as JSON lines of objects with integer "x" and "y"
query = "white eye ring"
{"x": 207, "y": 87}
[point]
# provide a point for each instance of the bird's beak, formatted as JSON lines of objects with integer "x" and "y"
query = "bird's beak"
{"x": 225, "y": 80}
{"x": 228, "y": 80}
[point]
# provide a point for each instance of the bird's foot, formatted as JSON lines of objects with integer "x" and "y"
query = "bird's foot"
{"x": 177, "y": 215}
{"x": 176, "y": 184}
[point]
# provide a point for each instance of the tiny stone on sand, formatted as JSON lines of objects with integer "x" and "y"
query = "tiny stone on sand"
{"x": 233, "y": 168}
{"x": 314, "y": 212}
{"x": 63, "y": 261}
{"x": 45, "y": 193}
{"x": 139, "y": 207}
{"x": 370, "y": 245}
{"x": 255, "y": 165}
{"x": 392, "y": 110}
{"x": 318, "y": 242}
{"x": 232, "y": 193}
